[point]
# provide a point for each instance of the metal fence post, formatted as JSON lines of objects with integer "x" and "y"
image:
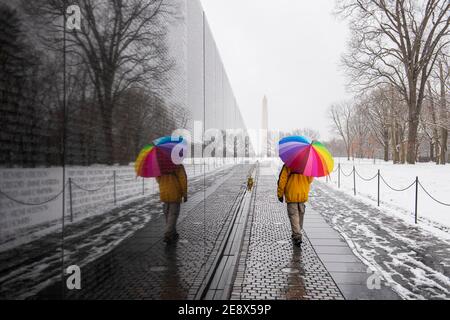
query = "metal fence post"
{"x": 378, "y": 187}
{"x": 339, "y": 175}
{"x": 70, "y": 199}
{"x": 114, "y": 175}
{"x": 354, "y": 180}
{"x": 417, "y": 191}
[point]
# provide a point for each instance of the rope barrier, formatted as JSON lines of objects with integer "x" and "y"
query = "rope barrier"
{"x": 440, "y": 202}
{"x": 366, "y": 179}
{"x": 92, "y": 190}
{"x": 394, "y": 189}
{"x": 346, "y": 175}
{"x": 29, "y": 203}
{"x": 128, "y": 180}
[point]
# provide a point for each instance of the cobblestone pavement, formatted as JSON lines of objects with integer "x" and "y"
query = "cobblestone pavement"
{"x": 270, "y": 267}
{"x": 415, "y": 262}
{"x": 144, "y": 267}
{"x": 28, "y": 269}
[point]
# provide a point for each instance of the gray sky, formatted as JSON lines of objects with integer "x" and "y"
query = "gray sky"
{"x": 286, "y": 49}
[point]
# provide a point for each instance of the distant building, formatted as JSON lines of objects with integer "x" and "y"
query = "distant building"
{"x": 265, "y": 116}
{"x": 264, "y": 127}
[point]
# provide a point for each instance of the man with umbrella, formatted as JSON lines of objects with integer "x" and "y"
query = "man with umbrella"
{"x": 304, "y": 159}
{"x": 295, "y": 188}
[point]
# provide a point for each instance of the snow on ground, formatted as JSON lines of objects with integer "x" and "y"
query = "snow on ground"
{"x": 435, "y": 179}
{"x": 413, "y": 261}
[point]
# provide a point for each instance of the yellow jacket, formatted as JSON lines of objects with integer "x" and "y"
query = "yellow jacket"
{"x": 173, "y": 186}
{"x": 294, "y": 186}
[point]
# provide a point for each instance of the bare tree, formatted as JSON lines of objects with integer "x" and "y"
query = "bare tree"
{"x": 396, "y": 42}
{"x": 429, "y": 122}
{"x": 444, "y": 76}
{"x": 121, "y": 43}
{"x": 359, "y": 126}
{"x": 341, "y": 115}
{"x": 376, "y": 109}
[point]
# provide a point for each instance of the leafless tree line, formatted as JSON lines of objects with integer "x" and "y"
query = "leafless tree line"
{"x": 115, "y": 67}
{"x": 376, "y": 124}
{"x": 397, "y": 60}
{"x": 274, "y": 137}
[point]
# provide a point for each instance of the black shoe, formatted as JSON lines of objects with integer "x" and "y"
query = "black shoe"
{"x": 298, "y": 242}
{"x": 168, "y": 240}
{"x": 171, "y": 239}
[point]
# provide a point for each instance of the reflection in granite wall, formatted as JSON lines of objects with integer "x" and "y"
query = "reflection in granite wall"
{"x": 116, "y": 89}
{"x": 115, "y": 86}
{"x": 80, "y": 95}
{"x": 91, "y": 96}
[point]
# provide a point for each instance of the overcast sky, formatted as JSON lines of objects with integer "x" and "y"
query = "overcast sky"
{"x": 286, "y": 49}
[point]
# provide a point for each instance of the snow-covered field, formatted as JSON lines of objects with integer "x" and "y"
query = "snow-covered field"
{"x": 434, "y": 178}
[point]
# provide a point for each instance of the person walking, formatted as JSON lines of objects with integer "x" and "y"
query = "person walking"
{"x": 172, "y": 191}
{"x": 294, "y": 188}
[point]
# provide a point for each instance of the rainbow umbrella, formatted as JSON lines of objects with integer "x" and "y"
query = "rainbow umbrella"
{"x": 305, "y": 156}
{"x": 155, "y": 159}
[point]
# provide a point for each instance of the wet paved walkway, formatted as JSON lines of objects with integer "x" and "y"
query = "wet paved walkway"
{"x": 324, "y": 268}
{"x": 143, "y": 267}
{"x": 270, "y": 266}
{"x": 351, "y": 275}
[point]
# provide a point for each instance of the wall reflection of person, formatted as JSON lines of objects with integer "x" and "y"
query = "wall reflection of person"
{"x": 172, "y": 191}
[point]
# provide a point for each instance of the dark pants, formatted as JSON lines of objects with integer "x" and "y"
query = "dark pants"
{"x": 296, "y": 212}
{"x": 171, "y": 212}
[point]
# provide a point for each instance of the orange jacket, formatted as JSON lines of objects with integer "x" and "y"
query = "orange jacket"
{"x": 294, "y": 186}
{"x": 173, "y": 186}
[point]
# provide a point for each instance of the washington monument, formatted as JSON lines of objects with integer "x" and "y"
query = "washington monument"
{"x": 264, "y": 128}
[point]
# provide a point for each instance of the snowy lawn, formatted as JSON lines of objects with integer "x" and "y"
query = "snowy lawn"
{"x": 435, "y": 179}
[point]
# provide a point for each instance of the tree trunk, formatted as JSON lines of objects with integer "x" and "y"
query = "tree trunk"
{"x": 395, "y": 143}
{"x": 402, "y": 152}
{"x": 437, "y": 151}
{"x": 444, "y": 139}
{"x": 413, "y": 124}
{"x": 434, "y": 155}
{"x": 386, "y": 144}
{"x": 443, "y": 118}
{"x": 413, "y": 121}
{"x": 431, "y": 151}
{"x": 108, "y": 132}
